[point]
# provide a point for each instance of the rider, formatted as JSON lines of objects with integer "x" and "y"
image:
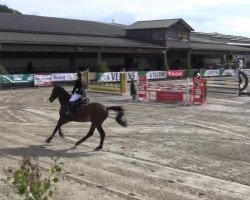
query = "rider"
{"x": 240, "y": 66}
{"x": 78, "y": 92}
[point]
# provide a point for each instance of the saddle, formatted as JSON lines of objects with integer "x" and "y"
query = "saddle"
{"x": 79, "y": 103}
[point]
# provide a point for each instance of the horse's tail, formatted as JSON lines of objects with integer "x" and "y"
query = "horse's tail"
{"x": 120, "y": 119}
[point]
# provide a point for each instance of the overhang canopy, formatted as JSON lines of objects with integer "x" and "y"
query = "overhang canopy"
{"x": 217, "y": 47}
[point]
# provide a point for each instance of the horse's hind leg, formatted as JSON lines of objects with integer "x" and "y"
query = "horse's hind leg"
{"x": 61, "y": 133}
{"x": 89, "y": 134}
{"x": 102, "y": 135}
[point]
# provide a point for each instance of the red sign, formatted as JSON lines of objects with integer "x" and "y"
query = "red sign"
{"x": 143, "y": 87}
{"x": 169, "y": 96}
{"x": 175, "y": 73}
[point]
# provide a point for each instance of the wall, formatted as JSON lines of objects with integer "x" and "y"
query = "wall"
{"x": 39, "y": 65}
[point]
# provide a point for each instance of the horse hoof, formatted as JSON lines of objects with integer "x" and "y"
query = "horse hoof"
{"x": 48, "y": 140}
{"x": 98, "y": 148}
{"x": 76, "y": 144}
{"x": 62, "y": 135}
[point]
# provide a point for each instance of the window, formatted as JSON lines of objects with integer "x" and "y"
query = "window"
{"x": 159, "y": 34}
{"x": 183, "y": 35}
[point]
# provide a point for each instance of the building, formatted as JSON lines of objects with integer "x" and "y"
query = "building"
{"x": 34, "y": 44}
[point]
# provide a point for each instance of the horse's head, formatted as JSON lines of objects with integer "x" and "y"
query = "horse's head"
{"x": 60, "y": 93}
{"x": 54, "y": 94}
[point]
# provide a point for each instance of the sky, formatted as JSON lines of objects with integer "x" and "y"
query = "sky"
{"x": 230, "y": 17}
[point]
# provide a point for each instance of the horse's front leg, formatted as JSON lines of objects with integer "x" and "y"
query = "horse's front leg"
{"x": 58, "y": 127}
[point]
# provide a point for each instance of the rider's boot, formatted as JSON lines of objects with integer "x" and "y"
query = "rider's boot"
{"x": 70, "y": 108}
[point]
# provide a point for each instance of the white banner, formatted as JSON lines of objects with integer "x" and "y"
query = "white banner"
{"x": 131, "y": 76}
{"x": 228, "y": 72}
{"x": 246, "y": 71}
{"x": 42, "y": 80}
{"x": 109, "y": 77}
{"x": 115, "y": 76}
{"x": 63, "y": 77}
{"x": 156, "y": 74}
{"x": 212, "y": 72}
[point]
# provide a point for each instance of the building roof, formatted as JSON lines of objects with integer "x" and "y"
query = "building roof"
{"x": 31, "y": 23}
{"x": 219, "y": 38}
{"x": 29, "y": 29}
{"x": 152, "y": 24}
{"x": 60, "y": 39}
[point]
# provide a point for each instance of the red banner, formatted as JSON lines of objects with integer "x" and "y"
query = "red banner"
{"x": 175, "y": 73}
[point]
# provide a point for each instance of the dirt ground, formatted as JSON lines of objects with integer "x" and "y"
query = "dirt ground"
{"x": 168, "y": 151}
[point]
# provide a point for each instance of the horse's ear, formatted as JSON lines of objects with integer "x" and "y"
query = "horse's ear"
{"x": 56, "y": 84}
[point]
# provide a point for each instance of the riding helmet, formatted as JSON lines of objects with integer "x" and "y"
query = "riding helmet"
{"x": 79, "y": 73}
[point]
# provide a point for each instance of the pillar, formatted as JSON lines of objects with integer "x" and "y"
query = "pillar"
{"x": 72, "y": 63}
{"x": 0, "y": 53}
{"x": 189, "y": 59}
{"x": 165, "y": 59}
{"x": 99, "y": 58}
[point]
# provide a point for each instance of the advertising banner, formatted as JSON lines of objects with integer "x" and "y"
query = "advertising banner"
{"x": 92, "y": 76}
{"x": 210, "y": 72}
{"x": 63, "y": 77}
{"x": 156, "y": 74}
{"x": 131, "y": 75}
{"x": 175, "y": 73}
{"x": 115, "y": 76}
{"x": 226, "y": 72}
{"x": 108, "y": 77}
{"x": 42, "y": 80}
{"x": 246, "y": 71}
{"x": 17, "y": 78}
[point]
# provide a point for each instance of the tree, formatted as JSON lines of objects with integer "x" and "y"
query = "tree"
{"x": 6, "y": 9}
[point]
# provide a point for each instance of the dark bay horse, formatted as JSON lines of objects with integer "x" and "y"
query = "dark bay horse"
{"x": 95, "y": 113}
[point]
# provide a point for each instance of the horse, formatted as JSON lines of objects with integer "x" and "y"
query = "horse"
{"x": 93, "y": 112}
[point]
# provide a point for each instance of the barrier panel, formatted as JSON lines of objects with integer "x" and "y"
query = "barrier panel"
{"x": 173, "y": 91}
{"x": 199, "y": 90}
{"x": 222, "y": 85}
{"x": 123, "y": 83}
{"x": 143, "y": 86}
{"x": 165, "y": 90}
{"x": 227, "y": 81}
{"x": 170, "y": 91}
{"x": 168, "y": 96}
